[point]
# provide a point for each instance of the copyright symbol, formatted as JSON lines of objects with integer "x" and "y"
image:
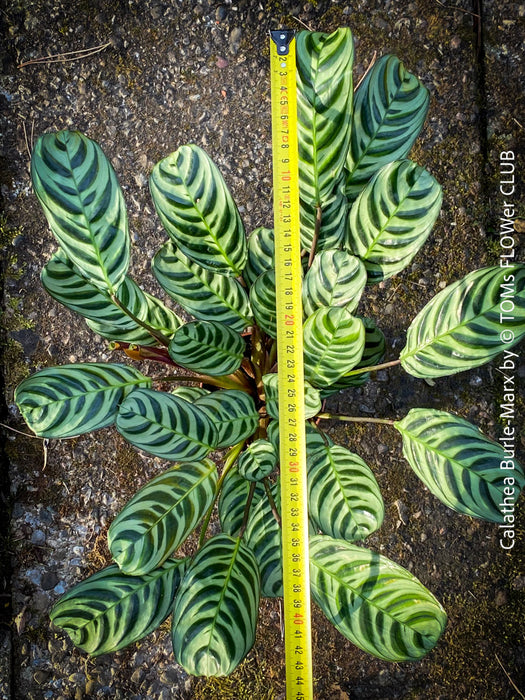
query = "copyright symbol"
{"x": 507, "y": 336}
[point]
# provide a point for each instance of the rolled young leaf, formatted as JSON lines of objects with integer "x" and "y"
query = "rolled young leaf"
{"x": 390, "y": 107}
{"x": 206, "y": 295}
{"x": 463, "y": 327}
{"x": 344, "y": 500}
{"x": 83, "y": 204}
{"x": 392, "y": 218}
{"x": 68, "y": 400}
{"x": 166, "y": 426}
{"x": 375, "y": 603}
{"x": 207, "y": 347}
{"x": 198, "y": 212}
{"x": 161, "y": 515}
{"x": 264, "y": 537}
{"x": 215, "y": 609}
{"x": 110, "y": 610}
{"x": 258, "y": 460}
{"x": 233, "y": 499}
{"x": 458, "y": 464}
{"x": 334, "y": 341}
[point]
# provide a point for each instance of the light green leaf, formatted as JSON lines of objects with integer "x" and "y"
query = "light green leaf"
{"x": 375, "y": 603}
{"x": 335, "y": 278}
{"x": 334, "y": 341}
{"x": 69, "y": 400}
{"x": 344, "y": 500}
{"x": 462, "y": 327}
{"x": 390, "y": 107}
{"x": 198, "y": 212}
{"x": 161, "y": 515}
{"x": 204, "y": 294}
{"x": 332, "y": 228}
{"x": 215, "y": 610}
{"x": 459, "y": 464}
{"x": 83, "y": 204}
{"x": 392, "y": 218}
{"x": 110, "y": 610}
{"x": 166, "y": 426}
{"x": 232, "y": 412}
{"x": 258, "y": 460}
{"x": 207, "y": 347}
{"x": 324, "y": 110}
{"x": 271, "y": 389}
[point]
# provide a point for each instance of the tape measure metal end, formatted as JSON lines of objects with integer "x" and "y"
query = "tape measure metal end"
{"x": 282, "y": 39}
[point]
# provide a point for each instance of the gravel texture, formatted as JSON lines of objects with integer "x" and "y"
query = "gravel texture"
{"x": 198, "y": 72}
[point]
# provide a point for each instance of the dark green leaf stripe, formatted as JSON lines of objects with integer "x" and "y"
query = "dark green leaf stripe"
{"x": 262, "y": 300}
{"x": 63, "y": 282}
{"x": 161, "y": 515}
{"x": 258, "y": 460}
{"x": 83, "y": 204}
{"x": 375, "y": 603}
{"x": 261, "y": 251}
{"x": 332, "y": 230}
{"x": 324, "y": 110}
{"x": 198, "y": 212}
{"x": 315, "y": 438}
{"x": 232, "y": 412}
{"x": 459, "y": 464}
{"x": 389, "y": 110}
{"x": 166, "y": 426}
{"x": 392, "y": 218}
{"x": 110, "y": 610}
{"x": 233, "y": 499}
{"x": 263, "y": 537}
{"x": 60, "y": 402}
{"x": 333, "y": 344}
{"x": 204, "y": 294}
{"x": 312, "y": 397}
{"x": 207, "y": 347}
{"x": 344, "y": 500}
{"x": 335, "y": 278}
{"x": 462, "y": 326}
{"x": 215, "y": 610}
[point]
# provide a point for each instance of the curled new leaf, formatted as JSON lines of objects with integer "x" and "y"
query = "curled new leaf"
{"x": 215, "y": 610}
{"x": 458, "y": 464}
{"x": 375, "y": 603}
{"x": 198, "y": 212}
{"x": 258, "y": 460}
{"x": 110, "y": 610}
{"x": 461, "y": 327}
{"x": 84, "y": 205}
{"x": 60, "y": 402}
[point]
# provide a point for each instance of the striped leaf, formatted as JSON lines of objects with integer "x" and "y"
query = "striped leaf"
{"x": 204, "y": 294}
{"x": 334, "y": 341}
{"x": 344, "y": 500}
{"x": 110, "y": 610}
{"x": 258, "y": 460}
{"x": 83, "y": 204}
{"x": 207, "y": 347}
{"x": 261, "y": 251}
{"x": 232, "y": 412}
{"x": 216, "y": 606}
{"x": 459, "y": 464}
{"x": 375, "y": 603}
{"x": 335, "y": 278}
{"x": 332, "y": 229}
{"x": 468, "y": 323}
{"x": 69, "y": 400}
{"x": 189, "y": 393}
{"x": 233, "y": 499}
{"x": 161, "y": 515}
{"x": 315, "y": 437}
{"x": 62, "y": 281}
{"x": 390, "y": 107}
{"x": 262, "y": 300}
{"x": 198, "y": 212}
{"x": 373, "y": 354}
{"x": 166, "y": 426}
{"x": 263, "y": 537}
{"x": 312, "y": 397}
{"x": 392, "y": 218}
{"x": 324, "y": 110}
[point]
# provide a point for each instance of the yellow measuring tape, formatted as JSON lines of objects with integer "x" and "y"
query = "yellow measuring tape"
{"x": 288, "y": 280}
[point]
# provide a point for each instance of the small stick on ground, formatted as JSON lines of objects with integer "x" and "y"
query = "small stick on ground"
{"x": 65, "y": 57}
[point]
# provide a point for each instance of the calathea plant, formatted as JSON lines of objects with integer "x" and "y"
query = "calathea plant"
{"x": 365, "y": 212}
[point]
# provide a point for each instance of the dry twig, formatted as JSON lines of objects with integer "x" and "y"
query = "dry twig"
{"x": 65, "y": 57}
